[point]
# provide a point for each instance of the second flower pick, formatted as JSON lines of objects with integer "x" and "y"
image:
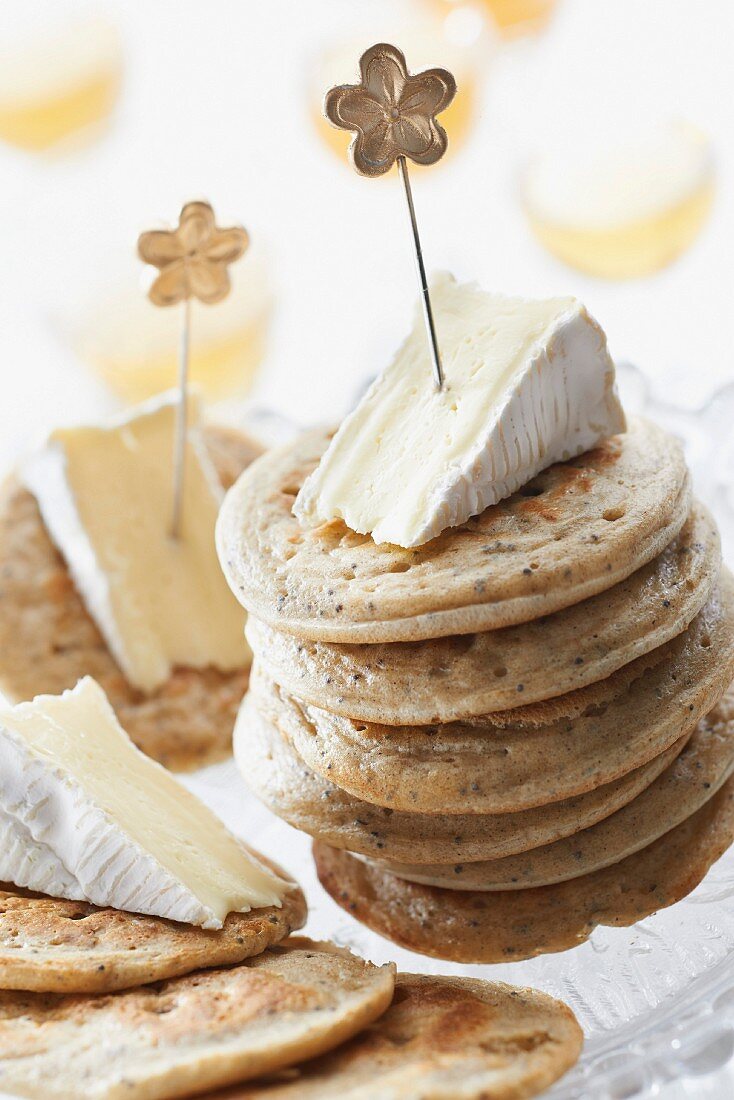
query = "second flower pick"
{"x": 192, "y": 262}
{"x": 393, "y": 116}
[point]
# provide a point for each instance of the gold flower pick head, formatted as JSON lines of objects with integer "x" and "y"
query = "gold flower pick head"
{"x": 192, "y": 262}
{"x": 393, "y": 116}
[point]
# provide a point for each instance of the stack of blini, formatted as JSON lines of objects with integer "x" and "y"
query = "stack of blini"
{"x": 511, "y": 734}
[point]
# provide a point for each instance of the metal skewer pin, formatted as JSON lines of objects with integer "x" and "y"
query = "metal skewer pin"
{"x": 393, "y": 116}
{"x": 192, "y": 262}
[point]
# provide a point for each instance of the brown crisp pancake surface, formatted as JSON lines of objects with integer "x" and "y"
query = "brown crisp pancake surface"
{"x": 281, "y": 780}
{"x": 489, "y": 927}
{"x": 50, "y": 945}
{"x": 452, "y": 678}
{"x": 500, "y": 762}
{"x": 575, "y": 530}
{"x": 48, "y": 640}
{"x": 695, "y": 775}
{"x": 181, "y": 1037}
{"x": 443, "y": 1039}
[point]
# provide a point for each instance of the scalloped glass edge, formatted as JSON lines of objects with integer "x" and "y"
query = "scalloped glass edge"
{"x": 656, "y": 1000}
{"x": 691, "y": 1033}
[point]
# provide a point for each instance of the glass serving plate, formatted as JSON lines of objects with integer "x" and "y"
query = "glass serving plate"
{"x": 656, "y": 1001}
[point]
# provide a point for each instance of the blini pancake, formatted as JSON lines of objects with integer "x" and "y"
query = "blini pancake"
{"x": 695, "y": 775}
{"x": 184, "y": 1036}
{"x": 443, "y": 1039}
{"x": 50, "y": 945}
{"x": 500, "y": 763}
{"x": 462, "y": 676}
{"x": 281, "y": 780}
{"x": 491, "y": 927}
{"x": 575, "y": 530}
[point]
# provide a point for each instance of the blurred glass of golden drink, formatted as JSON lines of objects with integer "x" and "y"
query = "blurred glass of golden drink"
{"x": 510, "y": 17}
{"x": 520, "y": 16}
{"x": 134, "y": 347}
{"x": 58, "y": 84}
{"x": 626, "y": 209}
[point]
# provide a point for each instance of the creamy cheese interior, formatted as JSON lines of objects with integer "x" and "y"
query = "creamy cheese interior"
{"x": 106, "y": 497}
{"x": 75, "y": 740}
{"x": 526, "y": 384}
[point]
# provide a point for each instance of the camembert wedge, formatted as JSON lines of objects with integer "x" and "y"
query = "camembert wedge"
{"x": 85, "y": 815}
{"x": 106, "y": 497}
{"x": 527, "y": 384}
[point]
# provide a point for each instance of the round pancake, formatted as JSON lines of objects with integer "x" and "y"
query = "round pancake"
{"x": 695, "y": 775}
{"x": 48, "y": 640}
{"x": 575, "y": 530}
{"x": 499, "y": 763}
{"x": 183, "y": 1036}
{"x": 288, "y": 787}
{"x": 50, "y": 945}
{"x": 492, "y": 927}
{"x": 443, "y": 1039}
{"x": 447, "y": 679}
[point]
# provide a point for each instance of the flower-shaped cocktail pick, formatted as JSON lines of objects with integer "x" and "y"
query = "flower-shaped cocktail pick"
{"x": 393, "y": 116}
{"x": 192, "y": 262}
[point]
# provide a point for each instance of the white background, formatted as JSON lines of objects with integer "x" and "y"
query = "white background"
{"x": 216, "y": 102}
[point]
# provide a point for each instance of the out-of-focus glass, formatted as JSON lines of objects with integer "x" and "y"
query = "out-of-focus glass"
{"x": 624, "y": 208}
{"x": 133, "y": 345}
{"x": 59, "y": 78}
{"x": 512, "y": 17}
{"x": 455, "y": 41}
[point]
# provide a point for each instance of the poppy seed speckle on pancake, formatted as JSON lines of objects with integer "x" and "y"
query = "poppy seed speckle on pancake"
{"x": 497, "y": 763}
{"x": 703, "y": 766}
{"x": 277, "y": 775}
{"x": 503, "y": 926}
{"x": 182, "y": 1037}
{"x": 447, "y": 679}
{"x": 597, "y": 519}
{"x": 55, "y": 946}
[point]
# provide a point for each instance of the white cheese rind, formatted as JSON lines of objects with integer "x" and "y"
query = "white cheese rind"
{"x": 59, "y": 758}
{"x": 33, "y": 865}
{"x": 105, "y": 495}
{"x": 527, "y": 384}
{"x": 109, "y": 868}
